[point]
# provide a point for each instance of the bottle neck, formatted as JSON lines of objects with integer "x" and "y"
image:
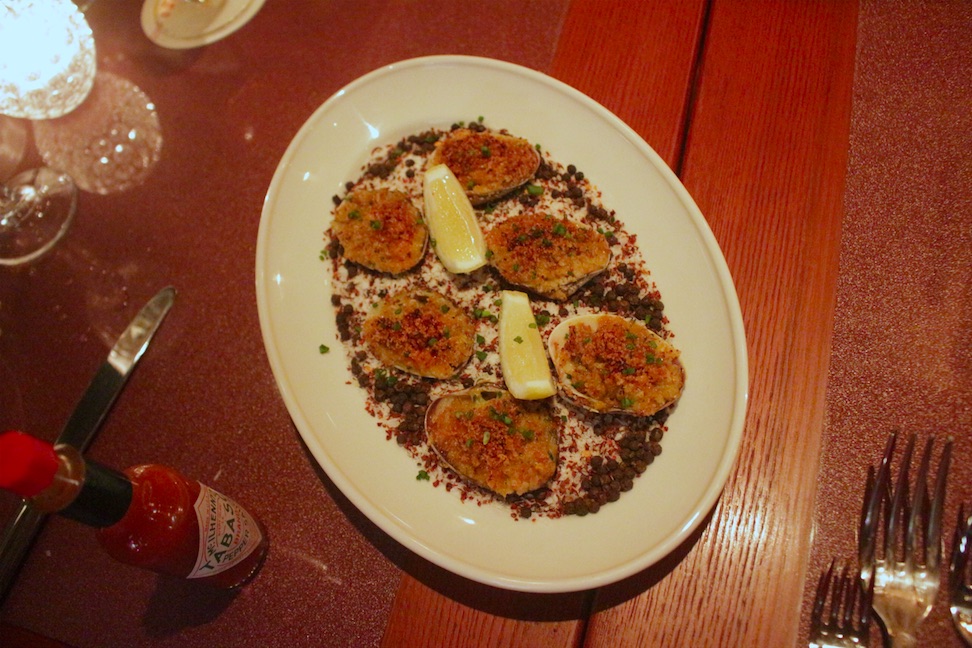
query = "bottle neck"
{"x": 85, "y": 491}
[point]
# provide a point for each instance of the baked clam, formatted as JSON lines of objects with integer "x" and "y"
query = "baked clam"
{"x": 421, "y": 332}
{"x": 549, "y": 256}
{"x": 493, "y": 440}
{"x": 488, "y": 165}
{"x": 381, "y": 229}
{"x": 608, "y": 363}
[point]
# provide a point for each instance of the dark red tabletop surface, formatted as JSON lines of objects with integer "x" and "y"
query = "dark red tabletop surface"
{"x": 827, "y": 145}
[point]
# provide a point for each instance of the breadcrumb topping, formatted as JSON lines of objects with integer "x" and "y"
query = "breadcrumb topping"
{"x": 496, "y": 441}
{"x": 420, "y": 332}
{"x": 549, "y": 256}
{"x": 619, "y": 365}
{"x": 381, "y": 230}
{"x": 487, "y": 165}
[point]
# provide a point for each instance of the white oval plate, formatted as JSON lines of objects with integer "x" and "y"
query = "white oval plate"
{"x": 484, "y": 543}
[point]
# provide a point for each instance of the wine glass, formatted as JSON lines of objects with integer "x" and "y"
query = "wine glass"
{"x": 36, "y": 210}
{"x": 110, "y": 143}
{"x": 47, "y": 68}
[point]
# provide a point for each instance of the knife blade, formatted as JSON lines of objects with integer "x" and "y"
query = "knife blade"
{"x": 84, "y": 422}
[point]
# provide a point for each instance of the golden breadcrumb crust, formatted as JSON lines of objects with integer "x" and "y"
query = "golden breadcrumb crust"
{"x": 487, "y": 165}
{"x": 420, "y": 332}
{"x": 494, "y": 440}
{"x": 381, "y": 230}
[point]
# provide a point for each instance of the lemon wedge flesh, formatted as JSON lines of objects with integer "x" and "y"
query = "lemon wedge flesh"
{"x": 523, "y": 358}
{"x": 457, "y": 239}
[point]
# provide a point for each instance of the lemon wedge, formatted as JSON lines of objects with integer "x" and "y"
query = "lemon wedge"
{"x": 523, "y": 358}
{"x": 457, "y": 239}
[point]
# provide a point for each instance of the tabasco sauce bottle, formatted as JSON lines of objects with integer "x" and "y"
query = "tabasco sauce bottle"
{"x": 149, "y": 516}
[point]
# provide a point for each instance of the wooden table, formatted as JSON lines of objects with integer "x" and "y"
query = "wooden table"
{"x": 826, "y": 143}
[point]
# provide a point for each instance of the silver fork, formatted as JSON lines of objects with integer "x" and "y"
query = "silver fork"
{"x": 960, "y": 578}
{"x": 906, "y": 573}
{"x": 841, "y": 615}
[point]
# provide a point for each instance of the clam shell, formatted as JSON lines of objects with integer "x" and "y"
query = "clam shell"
{"x": 549, "y": 256}
{"x": 421, "y": 332}
{"x": 493, "y": 440}
{"x": 488, "y": 165}
{"x": 381, "y": 229}
{"x": 608, "y": 363}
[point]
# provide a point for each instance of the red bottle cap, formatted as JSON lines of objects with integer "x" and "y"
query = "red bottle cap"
{"x": 27, "y": 465}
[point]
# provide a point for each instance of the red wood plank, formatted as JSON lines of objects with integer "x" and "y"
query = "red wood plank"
{"x": 466, "y": 615}
{"x": 637, "y": 64}
{"x": 765, "y": 160}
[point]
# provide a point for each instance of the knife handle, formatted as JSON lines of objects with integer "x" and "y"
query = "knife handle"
{"x": 16, "y": 541}
{"x": 93, "y": 407}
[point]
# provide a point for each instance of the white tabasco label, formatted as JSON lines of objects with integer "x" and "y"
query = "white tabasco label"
{"x": 227, "y": 533}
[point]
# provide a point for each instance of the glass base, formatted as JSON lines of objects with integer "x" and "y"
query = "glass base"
{"x": 36, "y": 210}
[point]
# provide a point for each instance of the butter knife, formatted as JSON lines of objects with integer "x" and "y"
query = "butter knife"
{"x": 84, "y": 423}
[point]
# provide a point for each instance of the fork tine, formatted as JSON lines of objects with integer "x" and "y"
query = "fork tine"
{"x": 919, "y": 520}
{"x": 823, "y": 587}
{"x": 960, "y": 549}
{"x": 963, "y": 536}
{"x": 874, "y": 494}
{"x": 867, "y": 601}
{"x": 933, "y": 546}
{"x": 899, "y": 499}
{"x": 848, "y": 598}
{"x": 865, "y": 526}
